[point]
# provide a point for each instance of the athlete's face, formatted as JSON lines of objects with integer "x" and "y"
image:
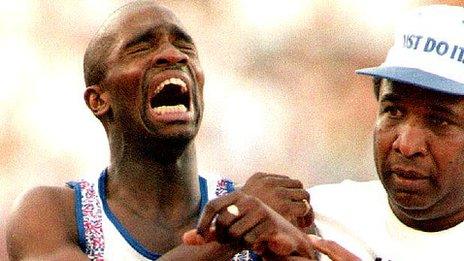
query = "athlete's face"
{"x": 419, "y": 151}
{"x": 154, "y": 76}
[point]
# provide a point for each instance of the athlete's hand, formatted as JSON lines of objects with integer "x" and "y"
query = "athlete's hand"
{"x": 245, "y": 222}
{"x": 284, "y": 195}
{"x": 330, "y": 248}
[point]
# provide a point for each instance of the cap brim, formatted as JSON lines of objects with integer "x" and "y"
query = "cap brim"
{"x": 416, "y": 77}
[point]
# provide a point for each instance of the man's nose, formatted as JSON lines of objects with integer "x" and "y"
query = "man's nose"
{"x": 411, "y": 141}
{"x": 168, "y": 55}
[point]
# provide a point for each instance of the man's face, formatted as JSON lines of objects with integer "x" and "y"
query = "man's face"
{"x": 154, "y": 76}
{"x": 419, "y": 151}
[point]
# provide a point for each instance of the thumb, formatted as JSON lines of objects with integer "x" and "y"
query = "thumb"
{"x": 192, "y": 238}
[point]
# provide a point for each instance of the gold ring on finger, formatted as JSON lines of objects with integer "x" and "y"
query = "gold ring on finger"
{"x": 308, "y": 207}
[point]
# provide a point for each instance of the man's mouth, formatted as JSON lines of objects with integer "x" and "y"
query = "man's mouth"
{"x": 410, "y": 180}
{"x": 413, "y": 175}
{"x": 171, "y": 96}
{"x": 171, "y": 100}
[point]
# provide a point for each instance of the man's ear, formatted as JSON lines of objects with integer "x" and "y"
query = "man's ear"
{"x": 97, "y": 100}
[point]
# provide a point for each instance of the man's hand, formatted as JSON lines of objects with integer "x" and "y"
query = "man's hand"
{"x": 332, "y": 249}
{"x": 245, "y": 222}
{"x": 280, "y": 243}
{"x": 284, "y": 195}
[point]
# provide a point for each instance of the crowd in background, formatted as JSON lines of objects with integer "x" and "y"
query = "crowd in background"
{"x": 281, "y": 94}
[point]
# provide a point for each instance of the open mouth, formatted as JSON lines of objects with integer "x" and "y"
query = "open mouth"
{"x": 171, "y": 96}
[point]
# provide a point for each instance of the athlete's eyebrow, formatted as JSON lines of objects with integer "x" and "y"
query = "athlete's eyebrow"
{"x": 142, "y": 36}
{"x": 152, "y": 32}
{"x": 180, "y": 34}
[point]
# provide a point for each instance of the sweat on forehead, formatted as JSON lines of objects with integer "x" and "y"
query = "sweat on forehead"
{"x": 99, "y": 47}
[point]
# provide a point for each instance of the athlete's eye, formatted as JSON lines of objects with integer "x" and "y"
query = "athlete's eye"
{"x": 185, "y": 47}
{"x": 141, "y": 47}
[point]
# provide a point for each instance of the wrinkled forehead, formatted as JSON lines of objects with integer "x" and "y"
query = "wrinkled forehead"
{"x": 131, "y": 20}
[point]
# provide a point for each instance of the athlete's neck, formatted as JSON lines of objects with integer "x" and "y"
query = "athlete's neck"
{"x": 157, "y": 188}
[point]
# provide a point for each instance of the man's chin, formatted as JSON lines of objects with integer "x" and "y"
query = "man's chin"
{"x": 413, "y": 198}
{"x": 176, "y": 139}
{"x": 177, "y": 134}
{"x": 413, "y": 205}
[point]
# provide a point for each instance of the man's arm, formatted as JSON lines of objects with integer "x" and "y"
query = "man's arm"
{"x": 42, "y": 227}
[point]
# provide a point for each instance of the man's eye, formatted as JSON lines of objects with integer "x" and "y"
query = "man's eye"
{"x": 185, "y": 47}
{"x": 188, "y": 49}
{"x": 139, "y": 48}
{"x": 392, "y": 111}
{"x": 439, "y": 121}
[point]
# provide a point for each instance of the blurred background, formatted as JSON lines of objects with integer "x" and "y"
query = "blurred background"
{"x": 281, "y": 94}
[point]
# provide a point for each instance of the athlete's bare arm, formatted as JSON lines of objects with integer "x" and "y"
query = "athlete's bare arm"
{"x": 42, "y": 226}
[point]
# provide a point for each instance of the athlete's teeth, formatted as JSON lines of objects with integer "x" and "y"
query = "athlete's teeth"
{"x": 176, "y": 81}
{"x": 169, "y": 109}
{"x": 182, "y": 84}
{"x": 181, "y": 108}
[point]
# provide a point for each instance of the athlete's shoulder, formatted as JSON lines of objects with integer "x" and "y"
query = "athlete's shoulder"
{"x": 44, "y": 201}
{"x": 41, "y": 217}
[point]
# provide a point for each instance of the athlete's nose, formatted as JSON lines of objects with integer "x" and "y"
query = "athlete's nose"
{"x": 168, "y": 55}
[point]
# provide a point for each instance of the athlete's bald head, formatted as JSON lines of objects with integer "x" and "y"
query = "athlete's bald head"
{"x": 101, "y": 44}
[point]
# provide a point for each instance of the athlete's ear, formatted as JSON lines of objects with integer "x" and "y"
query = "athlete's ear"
{"x": 97, "y": 100}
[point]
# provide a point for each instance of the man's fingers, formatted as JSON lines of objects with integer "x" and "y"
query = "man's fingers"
{"x": 297, "y": 194}
{"x": 292, "y": 183}
{"x": 260, "y": 175}
{"x": 305, "y": 221}
{"x": 249, "y": 221}
{"x": 192, "y": 238}
{"x": 210, "y": 211}
{"x": 274, "y": 180}
{"x": 256, "y": 235}
{"x": 301, "y": 208}
{"x": 226, "y": 219}
{"x": 296, "y": 258}
{"x": 284, "y": 182}
{"x": 332, "y": 249}
{"x": 282, "y": 245}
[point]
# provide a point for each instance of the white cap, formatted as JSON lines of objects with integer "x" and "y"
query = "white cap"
{"x": 428, "y": 50}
